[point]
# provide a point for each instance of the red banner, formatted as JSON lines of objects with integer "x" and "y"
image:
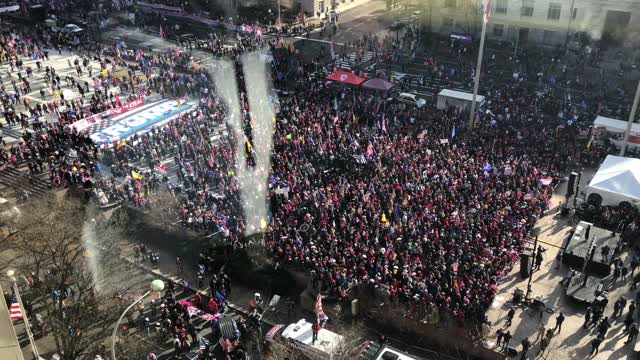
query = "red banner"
{"x": 88, "y": 121}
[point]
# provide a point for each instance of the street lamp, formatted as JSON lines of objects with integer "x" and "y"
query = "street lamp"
{"x": 11, "y": 275}
{"x": 156, "y": 286}
{"x": 632, "y": 119}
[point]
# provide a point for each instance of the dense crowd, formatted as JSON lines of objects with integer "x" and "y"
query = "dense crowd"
{"x": 363, "y": 192}
{"x": 436, "y": 222}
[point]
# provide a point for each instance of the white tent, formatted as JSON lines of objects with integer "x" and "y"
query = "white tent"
{"x": 617, "y": 180}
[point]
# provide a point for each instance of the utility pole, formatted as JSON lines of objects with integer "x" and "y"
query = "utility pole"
{"x": 279, "y": 19}
{"x": 632, "y": 118}
{"x": 533, "y": 257}
{"x": 566, "y": 39}
{"x": 476, "y": 82}
{"x": 515, "y": 52}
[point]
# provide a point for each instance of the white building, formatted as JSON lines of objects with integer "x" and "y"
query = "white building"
{"x": 540, "y": 21}
{"x": 320, "y": 8}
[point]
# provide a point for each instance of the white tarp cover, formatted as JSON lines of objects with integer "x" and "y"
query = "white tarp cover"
{"x": 617, "y": 180}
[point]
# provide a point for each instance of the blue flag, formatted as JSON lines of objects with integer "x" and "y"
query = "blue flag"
{"x": 453, "y": 132}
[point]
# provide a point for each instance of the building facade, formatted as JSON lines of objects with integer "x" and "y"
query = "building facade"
{"x": 549, "y": 22}
{"x": 320, "y": 8}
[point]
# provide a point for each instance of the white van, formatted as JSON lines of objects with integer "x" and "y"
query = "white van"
{"x": 298, "y": 336}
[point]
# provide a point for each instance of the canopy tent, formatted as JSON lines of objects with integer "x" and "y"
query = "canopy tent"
{"x": 617, "y": 180}
{"x": 378, "y": 84}
{"x": 345, "y": 77}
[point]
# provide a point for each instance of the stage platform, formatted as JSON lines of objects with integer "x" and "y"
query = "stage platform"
{"x": 577, "y": 250}
{"x": 584, "y": 293}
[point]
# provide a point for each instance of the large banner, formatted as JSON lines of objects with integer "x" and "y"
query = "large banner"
{"x": 89, "y": 121}
{"x": 124, "y": 127}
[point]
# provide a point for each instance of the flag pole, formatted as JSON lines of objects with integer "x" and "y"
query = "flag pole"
{"x": 632, "y": 118}
{"x": 476, "y": 82}
{"x": 27, "y": 326}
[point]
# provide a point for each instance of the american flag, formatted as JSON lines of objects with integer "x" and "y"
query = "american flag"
{"x": 487, "y": 9}
{"x": 319, "y": 312}
{"x": 359, "y": 159}
{"x": 226, "y": 345}
{"x": 15, "y": 312}
{"x": 161, "y": 168}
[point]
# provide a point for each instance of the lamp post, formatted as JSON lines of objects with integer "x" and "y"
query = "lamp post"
{"x": 476, "y": 82}
{"x": 279, "y": 19}
{"x": 11, "y": 274}
{"x": 632, "y": 118}
{"x": 156, "y": 286}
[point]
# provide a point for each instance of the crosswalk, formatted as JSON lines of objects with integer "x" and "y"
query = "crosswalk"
{"x": 14, "y": 180}
{"x": 37, "y": 81}
{"x": 13, "y": 132}
{"x": 347, "y": 63}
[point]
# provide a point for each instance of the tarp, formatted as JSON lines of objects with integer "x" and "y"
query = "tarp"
{"x": 617, "y": 180}
{"x": 345, "y": 77}
{"x": 378, "y": 84}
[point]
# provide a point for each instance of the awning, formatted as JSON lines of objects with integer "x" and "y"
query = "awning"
{"x": 378, "y": 84}
{"x": 345, "y": 77}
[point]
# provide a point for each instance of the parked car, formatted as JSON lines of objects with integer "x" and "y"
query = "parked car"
{"x": 72, "y": 29}
{"x": 411, "y": 99}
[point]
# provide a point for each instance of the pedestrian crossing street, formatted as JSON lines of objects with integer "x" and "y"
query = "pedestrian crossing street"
{"x": 37, "y": 81}
{"x": 350, "y": 61}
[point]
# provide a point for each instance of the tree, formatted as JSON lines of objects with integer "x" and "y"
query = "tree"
{"x": 56, "y": 240}
{"x": 163, "y": 211}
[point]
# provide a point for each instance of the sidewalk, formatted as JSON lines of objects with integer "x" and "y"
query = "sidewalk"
{"x": 572, "y": 341}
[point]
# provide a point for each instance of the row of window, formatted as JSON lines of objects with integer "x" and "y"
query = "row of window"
{"x": 553, "y": 13}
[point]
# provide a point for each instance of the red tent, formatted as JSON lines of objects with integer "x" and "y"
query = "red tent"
{"x": 345, "y": 77}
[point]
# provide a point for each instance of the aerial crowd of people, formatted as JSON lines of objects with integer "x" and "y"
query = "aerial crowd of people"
{"x": 422, "y": 204}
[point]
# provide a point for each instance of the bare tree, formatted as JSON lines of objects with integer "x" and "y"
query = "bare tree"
{"x": 163, "y": 211}
{"x": 60, "y": 242}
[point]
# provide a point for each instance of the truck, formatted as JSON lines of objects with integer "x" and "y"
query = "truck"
{"x": 298, "y": 337}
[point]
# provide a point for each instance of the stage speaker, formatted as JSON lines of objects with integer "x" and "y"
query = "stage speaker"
{"x": 526, "y": 257}
{"x": 571, "y": 185}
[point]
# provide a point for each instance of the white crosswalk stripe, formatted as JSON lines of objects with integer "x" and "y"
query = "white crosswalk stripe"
{"x": 347, "y": 63}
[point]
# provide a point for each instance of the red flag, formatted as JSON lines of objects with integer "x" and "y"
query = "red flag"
{"x": 456, "y": 287}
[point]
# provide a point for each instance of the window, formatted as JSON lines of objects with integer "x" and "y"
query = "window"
{"x": 501, "y": 7}
{"x": 449, "y": 3}
{"x": 498, "y": 30}
{"x": 574, "y": 13}
{"x": 527, "y": 8}
{"x": 554, "y": 11}
{"x": 447, "y": 22}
